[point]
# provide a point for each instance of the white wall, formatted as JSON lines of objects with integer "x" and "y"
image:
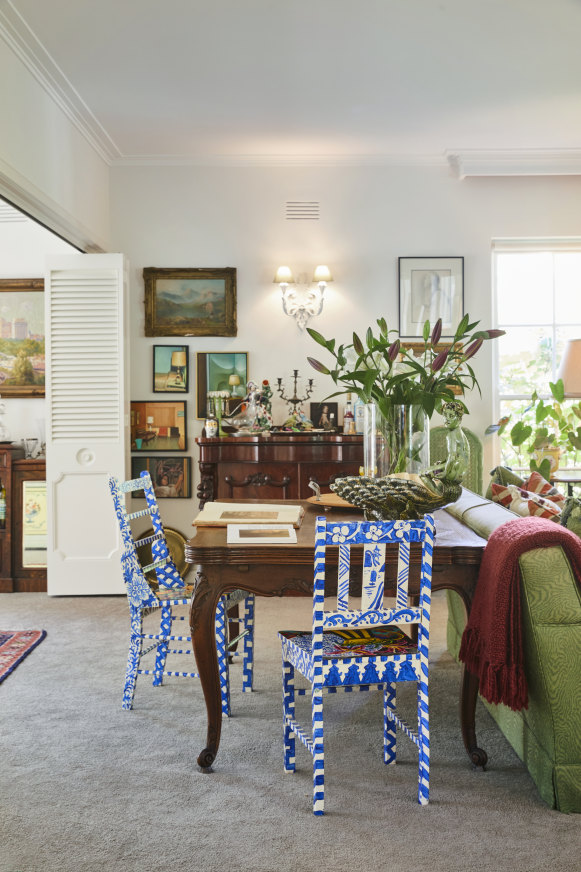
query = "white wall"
{"x": 24, "y": 245}
{"x": 47, "y": 167}
{"x": 216, "y": 217}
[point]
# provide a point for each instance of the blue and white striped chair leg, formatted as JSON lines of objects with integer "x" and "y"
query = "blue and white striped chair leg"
{"x": 389, "y": 728}
{"x": 161, "y": 654}
{"x": 133, "y": 658}
{"x": 424, "y": 744}
{"x": 248, "y": 661}
{"x": 318, "y": 751}
{"x": 222, "y": 650}
{"x": 288, "y": 714}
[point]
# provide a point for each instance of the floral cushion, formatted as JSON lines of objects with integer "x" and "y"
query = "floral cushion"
{"x": 538, "y": 485}
{"x": 524, "y": 502}
{"x": 356, "y": 642}
{"x": 571, "y": 515}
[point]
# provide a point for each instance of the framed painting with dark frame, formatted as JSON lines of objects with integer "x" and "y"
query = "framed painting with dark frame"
{"x": 321, "y": 415}
{"x": 158, "y": 425}
{"x": 171, "y": 476}
{"x": 221, "y": 371}
{"x": 22, "y": 360}
{"x": 171, "y": 369}
{"x": 190, "y": 302}
{"x": 430, "y": 288}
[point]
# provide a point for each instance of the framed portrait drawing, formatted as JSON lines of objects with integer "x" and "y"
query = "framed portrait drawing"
{"x": 158, "y": 425}
{"x": 430, "y": 288}
{"x": 171, "y": 369}
{"x": 190, "y": 302}
{"x": 221, "y": 371}
{"x": 171, "y": 476}
{"x": 22, "y": 361}
{"x": 324, "y": 415}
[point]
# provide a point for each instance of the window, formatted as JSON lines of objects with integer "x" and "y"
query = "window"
{"x": 538, "y": 303}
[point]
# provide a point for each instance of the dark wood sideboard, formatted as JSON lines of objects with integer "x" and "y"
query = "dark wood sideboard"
{"x": 15, "y": 470}
{"x": 278, "y": 466}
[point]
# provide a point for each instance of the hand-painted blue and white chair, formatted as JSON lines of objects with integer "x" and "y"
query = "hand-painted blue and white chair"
{"x": 358, "y": 648}
{"x": 159, "y": 585}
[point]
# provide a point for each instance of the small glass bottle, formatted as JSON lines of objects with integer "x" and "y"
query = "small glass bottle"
{"x": 348, "y": 419}
{"x": 211, "y": 422}
{"x": 2, "y": 506}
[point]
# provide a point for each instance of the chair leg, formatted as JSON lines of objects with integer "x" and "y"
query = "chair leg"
{"x": 222, "y": 650}
{"x": 133, "y": 658}
{"x": 318, "y": 751}
{"x": 424, "y": 742}
{"x": 389, "y": 728}
{"x": 288, "y": 714}
{"x": 161, "y": 655}
{"x": 248, "y": 661}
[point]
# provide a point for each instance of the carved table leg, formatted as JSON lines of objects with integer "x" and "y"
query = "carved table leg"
{"x": 202, "y": 625}
{"x": 468, "y": 697}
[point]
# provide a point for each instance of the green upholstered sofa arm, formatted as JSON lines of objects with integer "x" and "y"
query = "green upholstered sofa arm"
{"x": 547, "y": 735}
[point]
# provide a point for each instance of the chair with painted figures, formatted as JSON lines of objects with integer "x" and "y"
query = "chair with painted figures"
{"x": 358, "y": 648}
{"x": 159, "y": 586}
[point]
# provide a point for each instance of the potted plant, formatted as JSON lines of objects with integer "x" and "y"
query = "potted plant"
{"x": 546, "y": 431}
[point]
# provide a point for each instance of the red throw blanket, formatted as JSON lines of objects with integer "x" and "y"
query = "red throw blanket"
{"x": 492, "y": 645}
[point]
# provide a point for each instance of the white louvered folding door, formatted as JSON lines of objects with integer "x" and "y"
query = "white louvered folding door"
{"x": 87, "y": 417}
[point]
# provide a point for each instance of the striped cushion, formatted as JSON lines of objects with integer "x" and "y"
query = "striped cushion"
{"x": 525, "y": 503}
{"x": 536, "y": 484}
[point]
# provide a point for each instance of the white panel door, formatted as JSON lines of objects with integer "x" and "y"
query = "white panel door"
{"x": 87, "y": 418}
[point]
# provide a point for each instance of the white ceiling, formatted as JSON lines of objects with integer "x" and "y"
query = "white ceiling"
{"x": 172, "y": 80}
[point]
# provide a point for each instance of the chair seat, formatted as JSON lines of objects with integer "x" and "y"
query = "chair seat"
{"x": 354, "y": 643}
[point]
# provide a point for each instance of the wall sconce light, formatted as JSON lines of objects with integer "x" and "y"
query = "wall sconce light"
{"x": 310, "y": 303}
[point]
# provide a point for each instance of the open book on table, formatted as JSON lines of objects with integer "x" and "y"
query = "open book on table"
{"x": 222, "y": 514}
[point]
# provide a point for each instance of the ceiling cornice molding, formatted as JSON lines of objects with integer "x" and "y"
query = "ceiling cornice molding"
{"x": 22, "y": 41}
{"x": 514, "y": 162}
{"x": 285, "y": 160}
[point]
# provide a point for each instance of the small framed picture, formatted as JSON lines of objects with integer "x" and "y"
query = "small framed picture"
{"x": 171, "y": 476}
{"x": 324, "y": 415}
{"x": 190, "y": 302}
{"x": 430, "y": 288}
{"x": 171, "y": 369}
{"x": 225, "y": 371}
{"x": 158, "y": 425}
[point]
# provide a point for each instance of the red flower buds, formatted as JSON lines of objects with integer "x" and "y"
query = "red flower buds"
{"x": 473, "y": 348}
{"x": 436, "y": 332}
{"x": 393, "y": 350}
{"x": 440, "y": 359}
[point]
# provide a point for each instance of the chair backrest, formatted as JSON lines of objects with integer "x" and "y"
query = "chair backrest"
{"x": 373, "y": 536}
{"x": 438, "y": 451}
{"x": 166, "y": 572}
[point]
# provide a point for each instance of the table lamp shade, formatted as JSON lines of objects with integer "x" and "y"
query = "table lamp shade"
{"x": 234, "y": 380}
{"x": 150, "y": 420}
{"x": 570, "y": 368}
{"x": 178, "y": 358}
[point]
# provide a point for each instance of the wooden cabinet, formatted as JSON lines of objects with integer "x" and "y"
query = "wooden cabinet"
{"x": 275, "y": 467}
{"x": 15, "y": 471}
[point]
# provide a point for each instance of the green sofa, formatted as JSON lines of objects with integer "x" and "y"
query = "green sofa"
{"x": 547, "y": 735}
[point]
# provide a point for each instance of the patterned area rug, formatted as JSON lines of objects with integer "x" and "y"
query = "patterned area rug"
{"x": 14, "y": 647}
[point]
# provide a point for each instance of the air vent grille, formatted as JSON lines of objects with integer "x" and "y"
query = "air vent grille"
{"x": 302, "y": 210}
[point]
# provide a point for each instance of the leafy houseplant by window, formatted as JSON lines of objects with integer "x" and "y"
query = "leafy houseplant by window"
{"x": 544, "y": 429}
{"x": 383, "y": 371}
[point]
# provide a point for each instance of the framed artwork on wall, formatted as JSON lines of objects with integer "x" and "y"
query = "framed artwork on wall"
{"x": 324, "y": 415}
{"x": 221, "y": 371}
{"x": 158, "y": 425}
{"x": 171, "y": 476}
{"x": 171, "y": 369}
{"x": 430, "y": 288}
{"x": 190, "y": 302}
{"x": 22, "y": 361}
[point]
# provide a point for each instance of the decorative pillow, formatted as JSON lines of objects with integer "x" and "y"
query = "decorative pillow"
{"x": 571, "y": 515}
{"x": 503, "y": 475}
{"x": 523, "y": 502}
{"x": 536, "y": 484}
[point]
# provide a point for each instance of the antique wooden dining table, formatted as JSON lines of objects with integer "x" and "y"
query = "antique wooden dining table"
{"x": 287, "y": 570}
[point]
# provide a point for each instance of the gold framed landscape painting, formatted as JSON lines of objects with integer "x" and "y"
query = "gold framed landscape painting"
{"x": 190, "y": 302}
{"x": 22, "y": 361}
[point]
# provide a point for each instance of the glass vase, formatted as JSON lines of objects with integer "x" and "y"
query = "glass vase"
{"x": 404, "y": 444}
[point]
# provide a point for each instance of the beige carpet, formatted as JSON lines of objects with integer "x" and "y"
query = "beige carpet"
{"x": 87, "y": 787}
